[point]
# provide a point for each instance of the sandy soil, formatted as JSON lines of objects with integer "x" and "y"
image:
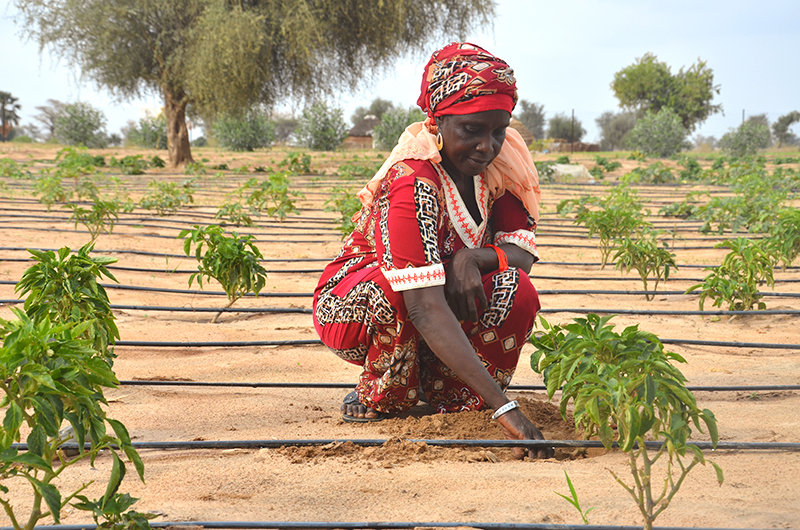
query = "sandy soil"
{"x": 399, "y": 481}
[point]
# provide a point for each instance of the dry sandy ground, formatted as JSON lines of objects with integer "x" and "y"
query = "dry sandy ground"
{"x": 402, "y": 481}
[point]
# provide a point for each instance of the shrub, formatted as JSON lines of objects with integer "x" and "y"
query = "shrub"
{"x": 296, "y": 162}
{"x": 150, "y": 132}
{"x": 393, "y": 123}
{"x": 81, "y": 123}
{"x": 560, "y": 126}
{"x": 623, "y": 386}
{"x": 23, "y": 139}
{"x": 745, "y": 140}
{"x": 656, "y": 173}
{"x": 231, "y": 260}
{"x": 614, "y": 129}
{"x": 660, "y": 135}
{"x": 234, "y": 213}
{"x": 251, "y": 130}
{"x": 321, "y": 128}
{"x": 736, "y": 280}
{"x": 131, "y": 164}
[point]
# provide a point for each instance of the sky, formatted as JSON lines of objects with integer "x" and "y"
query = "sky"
{"x": 564, "y": 54}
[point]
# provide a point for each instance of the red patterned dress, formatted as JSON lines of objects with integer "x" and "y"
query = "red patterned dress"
{"x": 416, "y": 224}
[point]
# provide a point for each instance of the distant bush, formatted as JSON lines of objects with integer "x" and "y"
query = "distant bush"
{"x": 661, "y": 135}
{"x": 24, "y": 139}
{"x": 150, "y": 132}
{"x": 81, "y": 123}
{"x": 321, "y": 127}
{"x": 250, "y": 131}
{"x": 745, "y": 140}
{"x": 393, "y": 123}
{"x": 561, "y": 126}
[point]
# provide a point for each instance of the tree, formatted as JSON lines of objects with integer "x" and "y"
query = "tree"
{"x": 560, "y": 126}
{"x": 47, "y": 116}
{"x": 648, "y": 84}
{"x": 8, "y": 113}
{"x": 377, "y": 108}
{"x": 532, "y": 116}
{"x": 614, "y": 129}
{"x": 245, "y": 132}
{"x": 392, "y": 125}
{"x": 659, "y": 134}
{"x": 781, "y": 128}
{"x": 745, "y": 140}
{"x": 321, "y": 127}
{"x": 221, "y": 56}
{"x": 81, "y": 123}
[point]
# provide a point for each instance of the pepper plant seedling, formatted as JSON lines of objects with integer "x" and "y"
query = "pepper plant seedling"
{"x": 345, "y": 202}
{"x": 48, "y": 374}
{"x": 625, "y": 389}
{"x": 644, "y": 254}
{"x": 231, "y": 260}
{"x": 63, "y": 288}
{"x": 736, "y": 280}
{"x": 101, "y": 218}
{"x": 166, "y": 197}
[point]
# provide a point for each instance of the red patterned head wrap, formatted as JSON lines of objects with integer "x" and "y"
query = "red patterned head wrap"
{"x": 463, "y": 78}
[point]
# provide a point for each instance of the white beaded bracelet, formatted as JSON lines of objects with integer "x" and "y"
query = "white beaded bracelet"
{"x": 511, "y": 405}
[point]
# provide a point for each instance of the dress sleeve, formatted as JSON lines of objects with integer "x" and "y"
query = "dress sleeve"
{"x": 512, "y": 224}
{"x": 406, "y": 233}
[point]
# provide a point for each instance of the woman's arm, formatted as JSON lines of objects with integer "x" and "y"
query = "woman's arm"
{"x": 431, "y": 315}
{"x": 464, "y": 286}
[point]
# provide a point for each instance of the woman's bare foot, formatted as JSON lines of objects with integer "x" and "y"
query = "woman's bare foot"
{"x": 356, "y": 412}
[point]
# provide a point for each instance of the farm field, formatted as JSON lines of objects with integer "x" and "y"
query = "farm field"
{"x": 400, "y": 481}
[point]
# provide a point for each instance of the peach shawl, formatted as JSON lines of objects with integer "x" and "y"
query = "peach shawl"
{"x": 512, "y": 170}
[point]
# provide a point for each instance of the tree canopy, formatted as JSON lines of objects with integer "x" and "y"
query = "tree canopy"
{"x": 781, "y": 128}
{"x": 377, "y": 108}
{"x": 223, "y": 57}
{"x": 532, "y": 116}
{"x": 561, "y": 127}
{"x": 649, "y": 84}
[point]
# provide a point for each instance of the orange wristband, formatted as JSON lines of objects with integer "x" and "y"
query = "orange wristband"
{"x": 502, "y": 259}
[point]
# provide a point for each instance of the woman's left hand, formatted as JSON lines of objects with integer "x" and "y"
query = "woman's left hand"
{"x": 463, "y": 286}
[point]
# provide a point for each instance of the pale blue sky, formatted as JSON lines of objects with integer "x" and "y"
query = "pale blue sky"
{"x": 564, "y": 53}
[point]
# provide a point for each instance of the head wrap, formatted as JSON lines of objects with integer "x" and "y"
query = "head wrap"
{"x": 463, "y": 78}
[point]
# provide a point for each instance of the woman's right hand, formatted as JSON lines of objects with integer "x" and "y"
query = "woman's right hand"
{"x": 516, "y": 426}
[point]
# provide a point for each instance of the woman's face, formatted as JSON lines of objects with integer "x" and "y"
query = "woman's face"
{"x": 472, "y": 141}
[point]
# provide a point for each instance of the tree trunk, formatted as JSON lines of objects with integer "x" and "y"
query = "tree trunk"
{"x": 179, "y": 150}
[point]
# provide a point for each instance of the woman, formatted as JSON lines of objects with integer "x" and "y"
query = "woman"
{"x": 430, "y": 293}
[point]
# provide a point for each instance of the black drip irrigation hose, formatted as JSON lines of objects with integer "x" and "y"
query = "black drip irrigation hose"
{"x": 529, "y": 444}
{"x": 513, "y": 388}
{"x": 646, "y": 312}
{"x": 316, "y": 342}
{"x": 372, "y": 525}
{"x": 162, "y": 255}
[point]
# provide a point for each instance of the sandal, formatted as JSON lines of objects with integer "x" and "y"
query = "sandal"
{"x": 352, "y": 399}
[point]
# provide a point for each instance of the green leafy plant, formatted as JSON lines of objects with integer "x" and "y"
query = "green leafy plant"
{"x": 12, "y": 169}
{"x": 735, "y": 282}
{"x": 245, "y": 132}
{"x": 644, "y": 254}
{"x": 546, "y": 170}
{"x": 81, "y": 123}
{"x": 606, "y": 164}
{"x": 63, "y": 288}
{"x": 297, "y": 162}
{"x": 99, "y": 219}
{"x": 195, "y": 168}
{"x": 150, "y": 132}
{"x": 660, "y": 134}
{"x": 167, "y": 197}
{"x": 131, "y": 164}
{"x": 392, "y": 124}
{"x": 746, "y": 139}
{"x": 235, "y": 214}
{"x": 231, "y": 260}
{"x": 573, "y": 500}
{"x": 656, "y": 173}
{"x": 271, "y": 196}
{"x": 347, "y": 205}
{"x": 157, "y": 161}
{"x": 611, "y": 218}
{"x": 624, "y": 388}
{"x": 563, "y": 159}
{"x": 321, "y": 127}
{"x": 49, "y": 190}
{"x": 353, "y": 170}
{"x": 109, "y": 512}
{"x": 48, "y": 375}
{"x": 785, "y": 236}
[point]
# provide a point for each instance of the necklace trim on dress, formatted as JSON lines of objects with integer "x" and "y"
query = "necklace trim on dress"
{"x": 471, "y": 235}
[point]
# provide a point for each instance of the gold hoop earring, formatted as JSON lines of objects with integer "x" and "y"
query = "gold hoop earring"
{"x": 439, "y": 141}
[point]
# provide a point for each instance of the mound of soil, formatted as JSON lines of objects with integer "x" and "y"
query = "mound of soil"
{"x": 421, "y": 424}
